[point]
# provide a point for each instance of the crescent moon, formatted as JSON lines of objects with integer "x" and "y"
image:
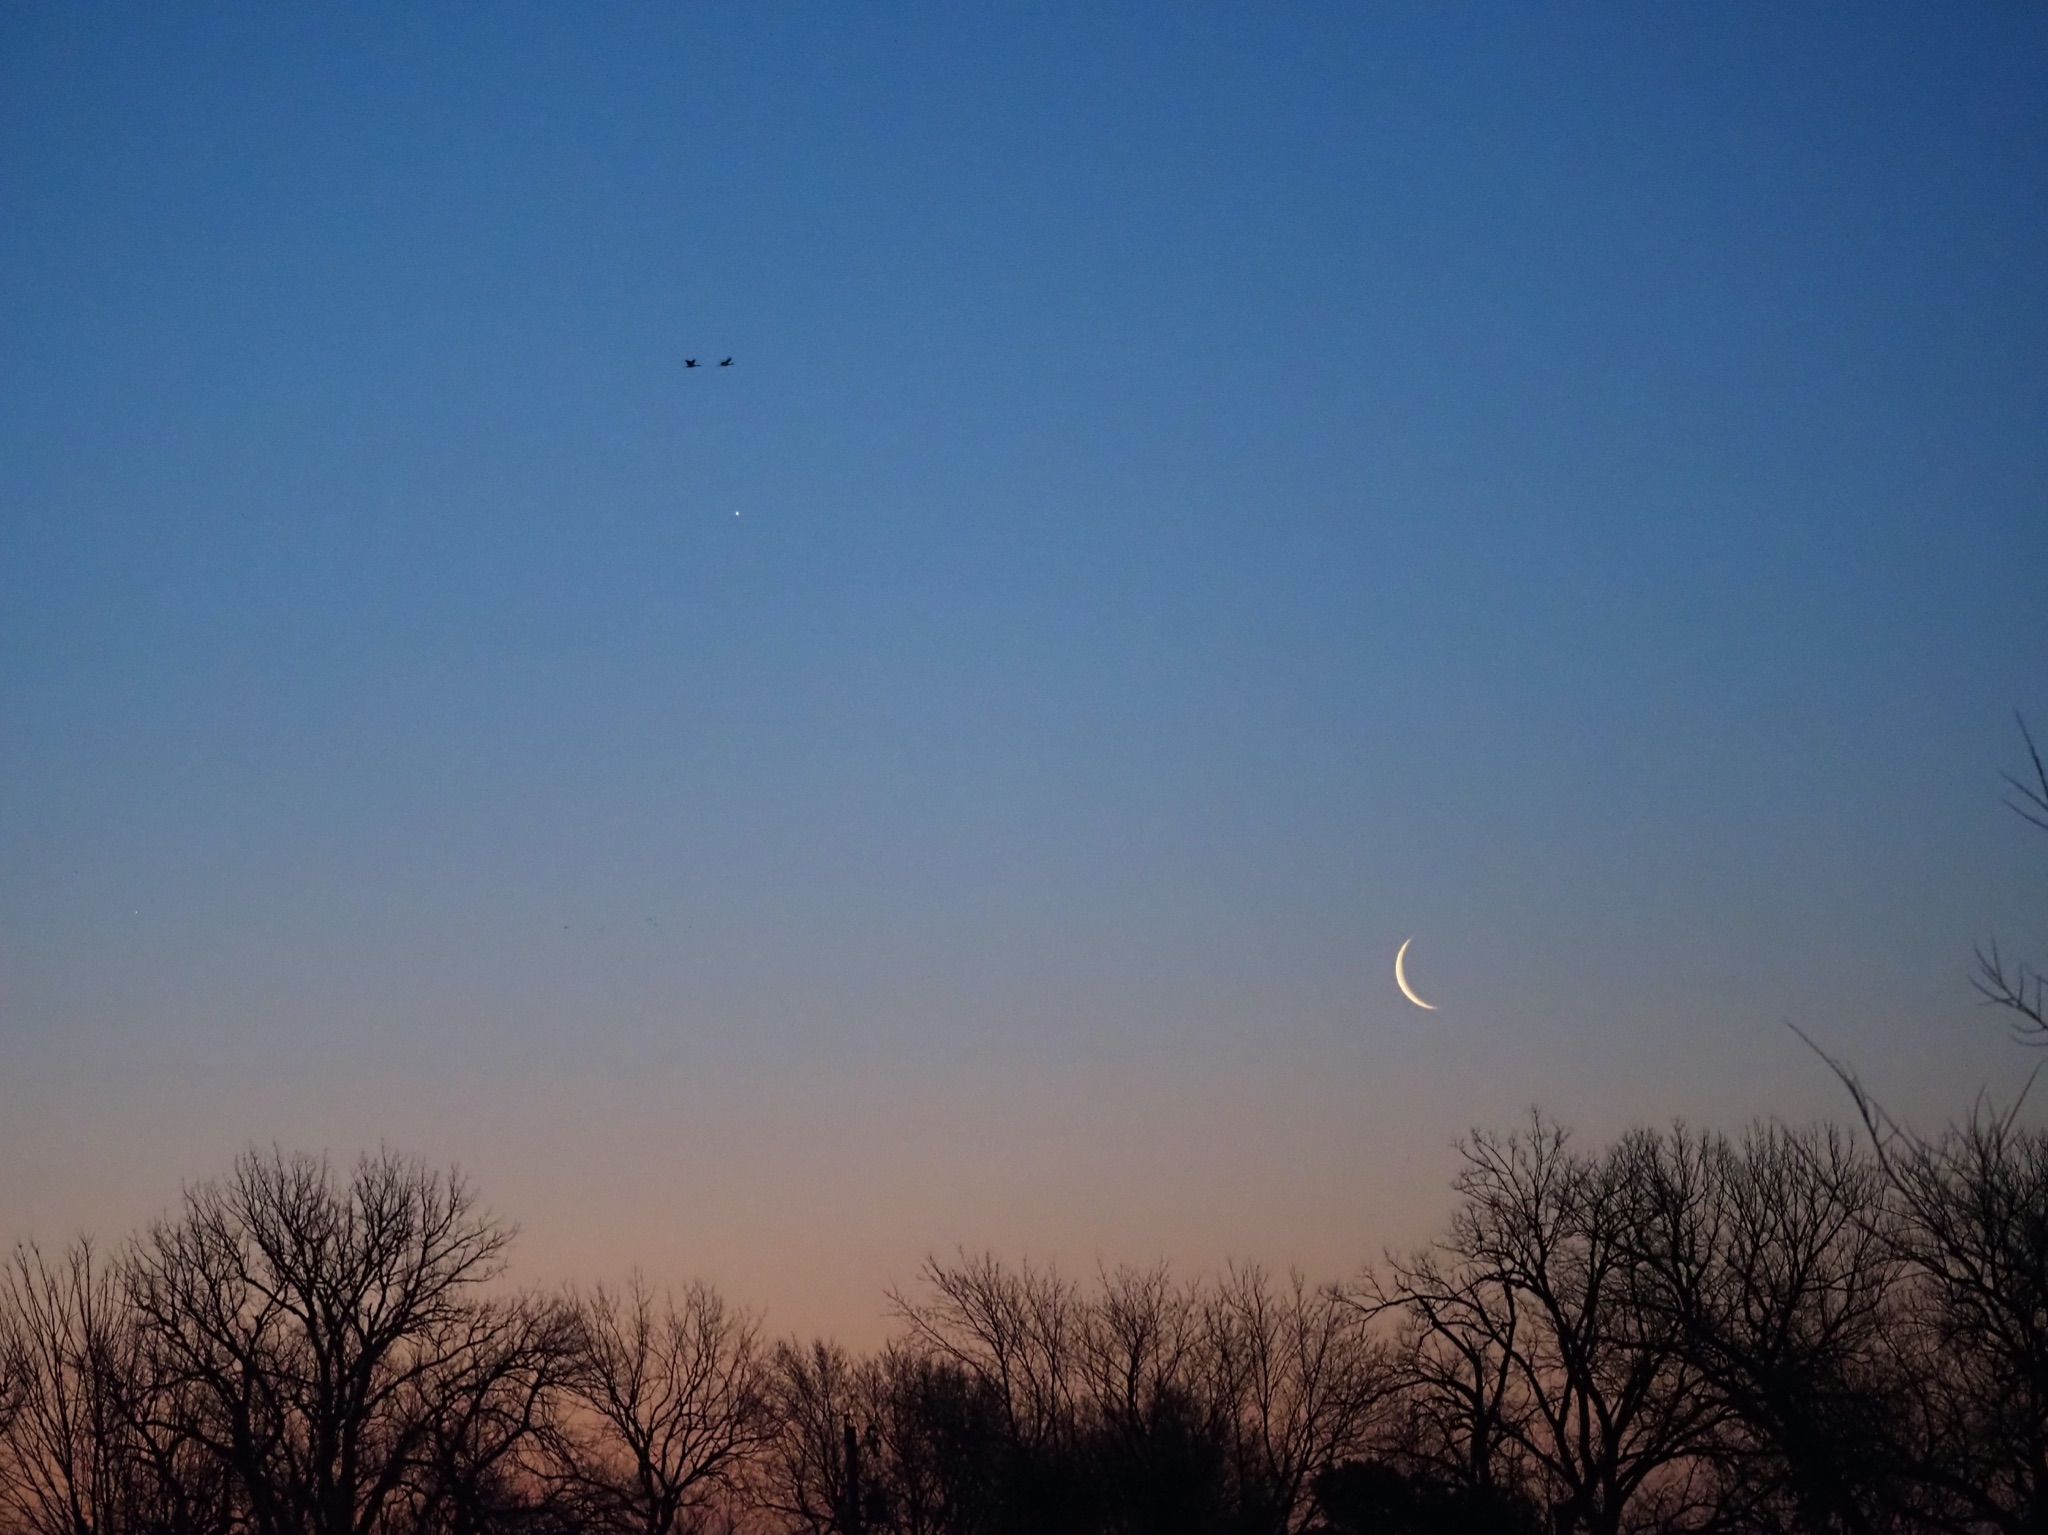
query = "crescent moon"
{"x": 1401, "y": 977}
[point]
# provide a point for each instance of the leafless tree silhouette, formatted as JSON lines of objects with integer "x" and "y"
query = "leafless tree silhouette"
{"x": 484, "y": 1460}
{"x": 820, "y": 1393}
{"x": 68, "y": 1462}
{"x": 1793, "y": 1332}
{"x": 1523, "y": 1318}
{"x": 1772, "y": 1260}
{"x": 1140, "y": 1403}
{"x": 1972, "y": 1233}
{"x": 1020, "y": 1331}
{"x": 1299, "y": 1380}
{"x": 314, "y": 1333}
{"x": 674, "y": 1407}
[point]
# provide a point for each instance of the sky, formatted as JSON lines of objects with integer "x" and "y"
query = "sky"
{"x": 1203, "y": 494}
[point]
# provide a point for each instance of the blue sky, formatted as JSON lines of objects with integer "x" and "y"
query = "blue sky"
{"x": 1219, "y": 490}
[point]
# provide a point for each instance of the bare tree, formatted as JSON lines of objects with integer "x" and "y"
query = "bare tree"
{"x": 1139, "y": 1404}
{"x": 311, "y": 1333}
{"x": 1966, "y": 1219}
{"x": 484, "y": 1466}
{"x": 813, "y": 1474}
{"x": 64, "y": 1466}
{"x": 90, "y": 1445}
{"x": 1159, "y": 1439}
{"x": 674, "y": 1405}
{"x": 854, "y": 1450}
{"x": 1457, "y": 1401}
{"x": 1298, "y": 1380}
{"x": 1772, "y": 1263}
{"x": 1973, "y": 1234}
{"x": 1021, "y": 1331}
{"x": 1523, "y": 1316}
{"x": 1141, "y": 1342}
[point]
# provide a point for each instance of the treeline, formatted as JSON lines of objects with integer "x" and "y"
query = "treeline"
{"x": 1794, "y": 1330}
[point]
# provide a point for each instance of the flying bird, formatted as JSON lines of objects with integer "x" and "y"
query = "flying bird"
{"x": 726, "y": 364}
{"x": 689, "y": 362}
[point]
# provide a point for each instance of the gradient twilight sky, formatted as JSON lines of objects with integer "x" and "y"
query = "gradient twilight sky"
{"x": 1222, "y": 490}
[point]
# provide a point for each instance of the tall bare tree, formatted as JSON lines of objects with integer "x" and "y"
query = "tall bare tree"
{"x": 1022, "y": 1331}
{"x": 485, "y": 1467}
{"x": 1773, "y": 1261}
{"x": 819, "y": 1404}
{"x": 1297, "y": 1381}
{"x": 1138, "y": 1404}
{"x": 64, "y": 1452}
{"x": 1971, "y": 1230}
{"x": 854, "y": 1452}
{"x": 92, "y": 1444}
{"x": 674, "y": 1406}
{"x": 314, "y": 1331}
{"x": 1522, "y": 1317}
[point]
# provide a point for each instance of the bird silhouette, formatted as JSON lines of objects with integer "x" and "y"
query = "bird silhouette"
{"x": 726, "y": 364}
{"x": 689, "y": 362}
